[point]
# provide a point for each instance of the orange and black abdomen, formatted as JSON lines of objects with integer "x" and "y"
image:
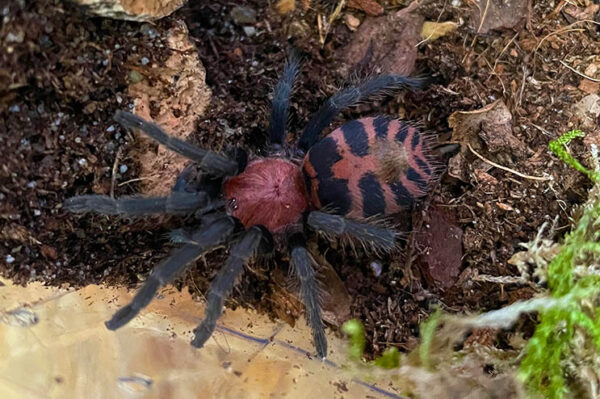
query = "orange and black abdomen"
{"x": 367, "y": 167}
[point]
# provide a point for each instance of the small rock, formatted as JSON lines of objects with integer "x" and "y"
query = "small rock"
{"x": 144, "y": 61}
{"x": 14, "y": 108}
{"x": 123, "y": 169}
{"x": 500, "y": 15}
{"x": 243, "y": 15}
{"x": 589, "y": 87}
{"x": 135, "y": 77}
{"x": 9, "y": 259}
{"x": 352, "y": 22}
{"x": 15, "y": 37}
{"x": 590, "y": 70}
{"x": 587, "y": 111}
{"x": 249, "y": 31}
{"x": 394, "y": 50}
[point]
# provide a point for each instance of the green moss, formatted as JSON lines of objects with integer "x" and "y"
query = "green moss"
{"x": 551, "y": 347}
{"x": 558, "y": 148}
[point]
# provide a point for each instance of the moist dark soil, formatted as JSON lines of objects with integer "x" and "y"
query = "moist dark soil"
{"x": 64, "y": 74}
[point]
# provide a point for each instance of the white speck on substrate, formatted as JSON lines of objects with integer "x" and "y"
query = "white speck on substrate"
{"x": 78, "y": 140}
{"x": 123, "y": 168}
{"x": 14, "y": 108}
{"x": 111, "y": 128}
{"x": 82, "y": 161}
{"x": 31, "y": 184}
{"x": 37, "y": 212}
{"x": 144, "y": 61}
{"x": 376, "y": 267}
{"x": 9, "y": 259}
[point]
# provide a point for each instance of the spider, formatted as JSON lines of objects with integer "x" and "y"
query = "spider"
{"x": 336, "y": 185}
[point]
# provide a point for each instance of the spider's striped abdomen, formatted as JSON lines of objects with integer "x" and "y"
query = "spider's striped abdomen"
{"x": 367, "y": 167}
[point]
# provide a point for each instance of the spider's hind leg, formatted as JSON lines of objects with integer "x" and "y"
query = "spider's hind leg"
{"x": 200, "y": 241}
{"x": 351, "y": 96}
{"x": 302, "y": 266}
{"x": 252, "y": 241}
{"x": 370, "y": 235}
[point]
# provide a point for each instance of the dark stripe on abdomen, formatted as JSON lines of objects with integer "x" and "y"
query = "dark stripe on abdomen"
{"x": 381, "y": 124}
{"x": 372, "y": 193}
{"x": 331, "y": 191}
{"x": 413, "y": 176}
{"x": 356, "y": 137}
{"x": 403, "y": 197}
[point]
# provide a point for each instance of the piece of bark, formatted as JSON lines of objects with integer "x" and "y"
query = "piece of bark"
{"x": 179, "y": 96}
{"x": 131, "y": 10}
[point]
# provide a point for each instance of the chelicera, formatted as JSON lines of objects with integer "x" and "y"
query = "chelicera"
{"x": 337, "y": 185}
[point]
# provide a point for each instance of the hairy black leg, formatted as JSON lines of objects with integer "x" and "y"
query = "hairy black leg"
{"x": 223, "y": 283}
{"x": 175, "y": 203}
{"x": 201, "y": 241}
{"x": 377, "y": 237}
{"x": 281, "y": 97}
{"x": 211, "y": 162}
{"x": 351, "y": 96}
{"x": 302, "y": 265}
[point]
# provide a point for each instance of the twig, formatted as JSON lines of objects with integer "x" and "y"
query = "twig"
{"x": 113, "y": 178}
{"x": 134, "y": 180}
{"x": 579, "y": 73}
{"x": 504, "y": 49}
{"x": 483, "y": 17}
{"x": 539, "y": 178}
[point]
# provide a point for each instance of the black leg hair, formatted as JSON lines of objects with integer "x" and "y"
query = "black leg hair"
{"x": 220, "y": 288}
{"x": 281, "y": 97}
{"x": 211, "y": 162}
{"x": 351, "y": 96}
{"x": 175, "y": 203}
{"x": 204, "y": 239}
{"x": 302, "y": 265}
{"x": 370, "y": 235}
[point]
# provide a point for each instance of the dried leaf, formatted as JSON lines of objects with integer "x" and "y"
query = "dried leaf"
{"x": 285, "y": 6}
{"x": 434, "y": 30}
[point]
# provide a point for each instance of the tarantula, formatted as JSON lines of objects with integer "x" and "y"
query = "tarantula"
{"x": 335, "y": 185}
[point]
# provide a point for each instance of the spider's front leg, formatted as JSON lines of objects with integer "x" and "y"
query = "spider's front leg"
{"x": 198, "y": 242}
{"x": 256, "y": 239}
{"x": 174, "y": 203}
{"x": 302, "y": 265}
{"x": 211, "y": 162}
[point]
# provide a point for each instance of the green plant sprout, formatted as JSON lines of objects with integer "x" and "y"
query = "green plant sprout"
{"x": 389, "y": 359}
